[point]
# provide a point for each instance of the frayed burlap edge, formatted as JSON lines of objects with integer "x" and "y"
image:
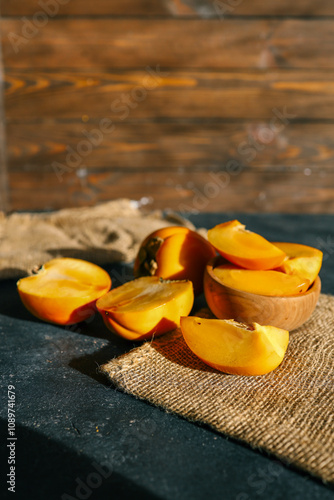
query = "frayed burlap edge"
{"x": 288, "y": 412}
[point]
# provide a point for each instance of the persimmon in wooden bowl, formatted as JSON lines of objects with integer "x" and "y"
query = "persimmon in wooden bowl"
{"x": 282, "y": 311}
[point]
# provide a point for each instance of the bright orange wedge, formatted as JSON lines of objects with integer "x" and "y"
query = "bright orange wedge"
{"x": 270, "y": 283}
{"x": 244, "y": 248}
{"x": 64, "y": 290}
{"x": 301, "y": 260}
{"x": 233, "y": 347}
{"x": 146, "y": 306}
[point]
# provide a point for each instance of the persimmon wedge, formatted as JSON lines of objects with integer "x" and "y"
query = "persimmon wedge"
{"x": 146, "y": 306}
{"x": 245, "y": 248}
{"x": 270, "y": 283}
{"x": 233, "y": 347}
{"x": 301, "y": 260}
{"x": 64, "y": 290}
{"x": 175, "y": 253}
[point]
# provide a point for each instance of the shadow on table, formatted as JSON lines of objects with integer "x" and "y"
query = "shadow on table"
{"x": 47, "y": 469}
{"x": 89, "y": 364}
{"x": 10, "y": 303}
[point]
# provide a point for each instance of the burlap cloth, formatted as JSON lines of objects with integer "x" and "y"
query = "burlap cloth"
{"x": 103, "y": 234}
{"x": 288, "y": 412}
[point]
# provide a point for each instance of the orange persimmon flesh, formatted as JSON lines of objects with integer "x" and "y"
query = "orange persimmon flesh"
{"x": 64, "y": 290}
{"x": 301, "y": 260}
{"x": 233, "y": 347}
{"x": 146, "y": 306}
{"x": 270, "y": 283}
{"x": 175, "y": 253}
{"x": 245, "y": 248}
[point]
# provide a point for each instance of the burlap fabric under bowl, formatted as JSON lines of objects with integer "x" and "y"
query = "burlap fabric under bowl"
{"x": 288, "y": 412}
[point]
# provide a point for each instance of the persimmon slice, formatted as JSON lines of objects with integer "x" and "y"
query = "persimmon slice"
{"x": 300, "y": 260}
{"x": 270, "y": 283}
{"x": 146, "y": 306}
{"x": 243, "y": 247}
{"x": 233, "y": 347}
{"x": 64, "y": 290}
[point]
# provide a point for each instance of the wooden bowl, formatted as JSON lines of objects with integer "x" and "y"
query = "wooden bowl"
{"x": 283, "y": 312}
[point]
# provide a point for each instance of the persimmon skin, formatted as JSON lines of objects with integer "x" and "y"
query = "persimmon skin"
{"x": 64, "y": 290}
{"x": 181, "y": 254}
{"x": 167, "y": 231}
{"x": 55, "y": 312}
{"x": 233, "y": 347}
{"x": 244, "y": 248}
{"x": 161, "y": 328}
{"x": 301, "y": 260}
{"x": 146, "y": 307}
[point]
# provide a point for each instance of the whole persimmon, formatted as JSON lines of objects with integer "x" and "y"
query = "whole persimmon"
{"x": 175, "y": 253}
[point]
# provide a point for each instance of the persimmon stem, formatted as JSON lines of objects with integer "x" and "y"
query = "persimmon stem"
{"x": 147, "y": 257}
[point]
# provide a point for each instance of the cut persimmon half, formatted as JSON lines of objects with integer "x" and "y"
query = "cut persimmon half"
{"x": 64, "y": 290}
{"x": 300, "y": 260}
{"x": 175, "y": 253}
{"x": 270, "y": 283}
{"x": 244, "y": 248}
{"x": 233, "y": 347}
{"x": 146, "y": 306}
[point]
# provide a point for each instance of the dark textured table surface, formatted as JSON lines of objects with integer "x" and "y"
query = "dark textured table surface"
{"x": 70, "y": 421}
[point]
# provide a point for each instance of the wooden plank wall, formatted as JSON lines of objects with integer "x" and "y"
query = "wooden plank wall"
{"x": 185, "y": 104}
{"x": 3, "y": 157}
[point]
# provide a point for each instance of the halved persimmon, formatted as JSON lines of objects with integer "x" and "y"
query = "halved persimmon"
{"x": 300, "y": 260}
{"x": 233, "y": 347}
{"x": 243, "y": 247}
{"x": 146, "y": 306}
{"x": 270, "y": 283}
{"x": 175, "y": 253}
{"x": 64, "y": 290}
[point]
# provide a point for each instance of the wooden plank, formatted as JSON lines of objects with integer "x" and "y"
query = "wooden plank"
{"x": 289, "y": 191}
{"x": 3, "y": 157}
{"x": 173, "y": 43}
{"x": 89, "y": 8}
{"x": 175, "y": 8}
{"x": 192, "y": 146}
{"x": 127, "y": 95}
